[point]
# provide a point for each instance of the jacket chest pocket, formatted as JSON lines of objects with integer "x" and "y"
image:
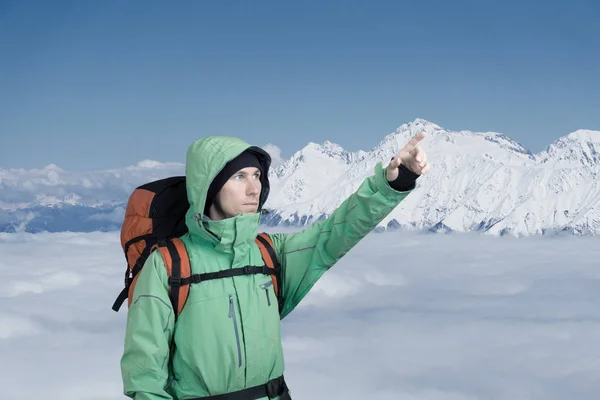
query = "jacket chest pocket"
{"x": 268, "y": 318}
{"x": 269, "y": 292}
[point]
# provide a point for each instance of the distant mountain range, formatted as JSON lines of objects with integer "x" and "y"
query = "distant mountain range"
{"x": 480, "y": 181}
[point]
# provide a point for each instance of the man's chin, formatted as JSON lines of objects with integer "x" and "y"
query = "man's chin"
{"x": 249, "y": 210}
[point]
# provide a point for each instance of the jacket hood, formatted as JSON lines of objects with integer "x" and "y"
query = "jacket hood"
{"x": 205, "y": 158}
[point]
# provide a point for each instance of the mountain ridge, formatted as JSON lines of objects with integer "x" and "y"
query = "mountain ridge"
{"x": 480, "y": 181}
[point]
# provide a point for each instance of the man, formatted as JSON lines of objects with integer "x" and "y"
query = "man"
{"x": 226, "y": 342}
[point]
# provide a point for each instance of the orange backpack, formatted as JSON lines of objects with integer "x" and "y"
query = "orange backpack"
{"x": 155, "y": 219}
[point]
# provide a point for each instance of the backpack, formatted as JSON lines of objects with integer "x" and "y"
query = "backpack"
{"x": 155, "y": 220}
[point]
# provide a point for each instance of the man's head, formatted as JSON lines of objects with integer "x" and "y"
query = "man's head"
{"x": 236, "y": 189}
{"x": 210, "y": 168}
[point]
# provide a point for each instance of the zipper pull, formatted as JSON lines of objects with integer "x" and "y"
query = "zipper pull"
{"x": 231, "y": 307}
{"x": 266, "y": 286}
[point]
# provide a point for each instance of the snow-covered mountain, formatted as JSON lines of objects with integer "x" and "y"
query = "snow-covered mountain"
{"x": 51, "y": 186}
{"x": 56, "y": 200}
{"x": 480, "y": 181}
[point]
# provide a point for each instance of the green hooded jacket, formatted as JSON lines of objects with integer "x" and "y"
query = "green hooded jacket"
{"x": 227, "y": 336}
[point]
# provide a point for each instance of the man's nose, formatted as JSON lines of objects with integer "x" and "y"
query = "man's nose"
{"x": 253, "y": 187}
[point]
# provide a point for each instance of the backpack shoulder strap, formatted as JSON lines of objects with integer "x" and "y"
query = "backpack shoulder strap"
{"x": 177, "y": 263}
{"x": 267, "y": 250}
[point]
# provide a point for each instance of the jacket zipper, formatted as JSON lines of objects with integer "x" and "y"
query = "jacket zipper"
{"x": 235, "y": 328}
{"x": 266, "y": 286}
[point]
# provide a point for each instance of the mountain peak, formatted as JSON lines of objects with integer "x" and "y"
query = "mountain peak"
{"x": 437, "y": 134}
{"x": 419, "y": 125}
{"x": 325, "y": 145}
{"x": 423, "y": 122}
{"x": 327, "y": 149}
{"x": 585, "y": 135}
{"x": 581, "y": 147}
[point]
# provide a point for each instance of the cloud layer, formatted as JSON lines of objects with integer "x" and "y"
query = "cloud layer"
{"x": 436, "y": 317}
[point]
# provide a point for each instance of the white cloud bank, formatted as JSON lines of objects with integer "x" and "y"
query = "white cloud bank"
{"x": 403, "y": 316}
{"x": 275, "y": 153}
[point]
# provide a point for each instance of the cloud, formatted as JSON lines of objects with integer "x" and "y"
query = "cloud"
{"x": 52, "y": 186}
{"x": 15, "y": 326}
{"x": 402, "y": 316}
{"x": 275, "y": 153}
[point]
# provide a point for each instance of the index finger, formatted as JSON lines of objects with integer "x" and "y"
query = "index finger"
{"x": 415, "y": 141}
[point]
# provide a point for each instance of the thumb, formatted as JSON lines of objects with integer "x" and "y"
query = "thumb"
{"x": 394, "y": 163}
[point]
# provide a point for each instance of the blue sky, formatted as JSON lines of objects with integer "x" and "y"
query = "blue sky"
{"x": 93, "y": 85}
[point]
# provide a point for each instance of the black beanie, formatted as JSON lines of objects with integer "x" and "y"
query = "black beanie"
{"x": 244, "y": 160}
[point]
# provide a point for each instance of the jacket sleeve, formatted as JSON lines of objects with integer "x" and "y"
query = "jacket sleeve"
{"x": 145, "y": 360}
{"x": 305, "y": 256}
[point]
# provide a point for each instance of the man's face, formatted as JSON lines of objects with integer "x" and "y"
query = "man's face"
{"x": 239, "y": 195}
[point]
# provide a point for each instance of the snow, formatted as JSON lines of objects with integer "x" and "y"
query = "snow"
{"x": 578, "y": 149}
{"x": 402, "y": 316}
{"x": 479, "y": 181}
